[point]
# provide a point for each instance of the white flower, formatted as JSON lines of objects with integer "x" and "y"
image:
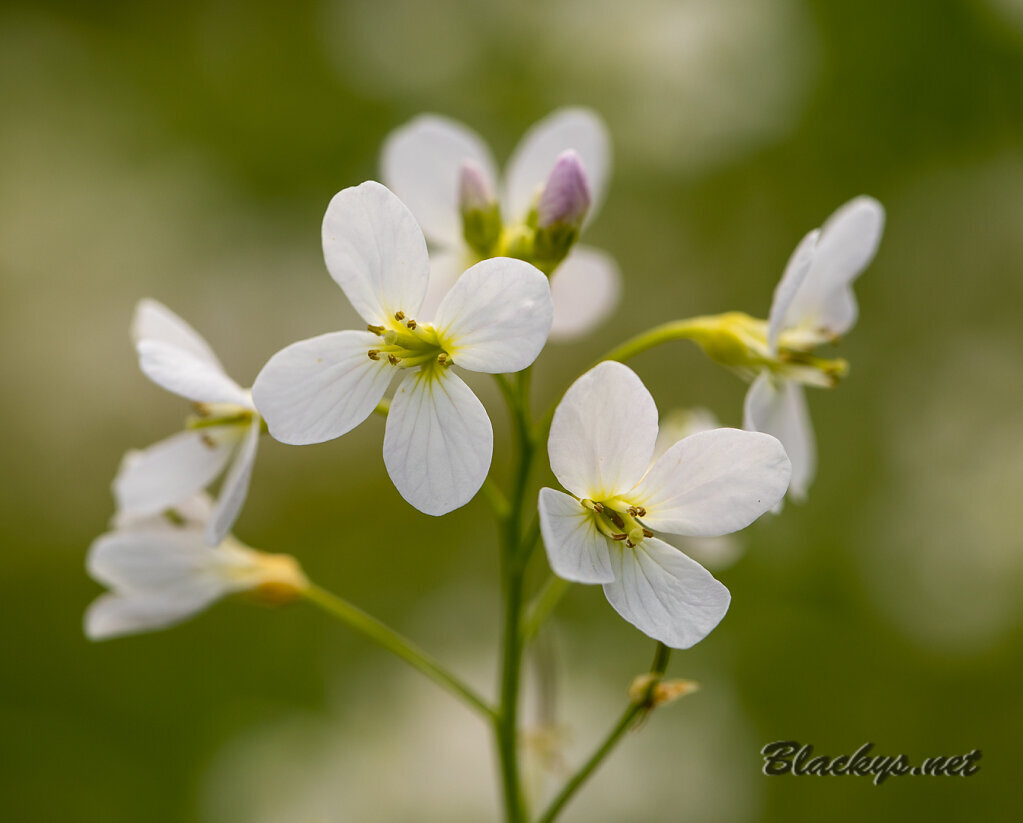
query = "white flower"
{"x": 161, "y": 571}
{"x": 438, "y": 440}
{"x": 601, "y": 444}
{"x": 813, "y": 304}
{"x": 173, "y": 355}
{"x": 440, "y": 168}
{"x": 718, "y": 552}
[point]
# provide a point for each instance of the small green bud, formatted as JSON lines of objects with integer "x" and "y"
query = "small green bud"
{"x": 481, "y": 214}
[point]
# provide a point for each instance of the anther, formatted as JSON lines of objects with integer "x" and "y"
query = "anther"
{"x": 411, "y": 324}
{"x": 630, "y": 544}
{"x": 375, "y": 329}
{"x": 616, "y": 518}
{"x": 619, "y": 537}
{"x": 202, "y": 409}
{"x": 392, "y": 360}
{"x": 399, "y": 315}
{"x": 598, "y": 507}
{"x": 373, "y": 354}
{"x": 636, "y": 511}
{"x": 208, "y": 441}
{"x": 647, "y": 533}
{"x": 442, "y": 358}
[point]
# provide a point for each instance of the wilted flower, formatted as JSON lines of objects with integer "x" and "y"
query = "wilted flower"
{"x": 601, "y": 444}
{"x": 438, "y": 441}
{"x": 553, "y": 186}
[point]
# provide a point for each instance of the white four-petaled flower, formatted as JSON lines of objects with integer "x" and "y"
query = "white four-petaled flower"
{"x": 173, "y": 355}
{"x": 161, "y": 571}
{"x": 435, "y": 165}
{"x": 813, "y": 304}
{"x": 438, "y": 440}
{"x": 601, "y": 443}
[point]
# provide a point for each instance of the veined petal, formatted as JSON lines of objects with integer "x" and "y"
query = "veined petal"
{"x": 576, "y": 549}
{"x": 421, "y": 163}
{"x": 665, "y": 594}
{"x": 603, "y": 432}
{"x": 533, "y": 159}
{"x": 235, "y": 487}
{"x": 375, "y": 252}
{"x": 848, "y": 243}
{"x": 171, "y": 471}
{"x": 791, "y": 281}
{"x": 154, "y": 321}
{"x": 117, "y": 614}
{"x": 778, "y": 407}
{"x": 496, "y": 317}
{"x": 320, "y": 388}
{"x": 713, "y": 483}
{"x": 182, "y": 372}
{"x": 438, "y": 441}
{"x": 585, "y": 289}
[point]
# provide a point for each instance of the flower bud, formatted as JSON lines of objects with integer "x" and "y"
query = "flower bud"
{"x": 481, "y": 215}
{"x": 560, "y": 212}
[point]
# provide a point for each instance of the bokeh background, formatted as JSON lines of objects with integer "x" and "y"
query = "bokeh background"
{"x": 187, "y": 153}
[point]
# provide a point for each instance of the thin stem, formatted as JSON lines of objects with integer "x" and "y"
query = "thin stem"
{"x": 387, "y": 638}
{"x": 665, "y": 333}
{"x": 635, "y": 711}
{"x": 543, "y": 605}
{"x": 495, "y": 497}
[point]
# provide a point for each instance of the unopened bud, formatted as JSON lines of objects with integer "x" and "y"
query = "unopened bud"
{"x": 481, "y": 215}
{"x": 662, "y": 691}
{"x": 566, "y": 197}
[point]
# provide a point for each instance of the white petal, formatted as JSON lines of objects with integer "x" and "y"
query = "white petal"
{"x": 182, "y": 372}
{"x": 665, "y": 594}
{"x": 154, "y": 561}
{"x": 421, "y": 163}
{"x": 318, "y": 389}
{"x": 235, "y": 487}
{"x": 194, "y": 513}
{"x": 778, "y": 407}
{"x": 438, "y": 441}
{"x": 115, "y": 615}
{"x": 576, "y": 550}
{"x": 795, "y": 273}
{"x": 603, "y": 432}
{"x": 713, "y": 483}
{"x": 534, "y": 158}
{"x": 585, "y": 289}
{"x": 154, "y": 321}
{"x": 375, "y": 252}
{"x": 848, "y": 242}
{"x": 497, "y": 316}
{"x": 170, "y": 471}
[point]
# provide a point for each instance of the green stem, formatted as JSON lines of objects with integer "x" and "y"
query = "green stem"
{"x": 635, "y": 711}
{"x": 543, "y": 605}
{"x": 387, "y": 638}
{"x": 515, "y": 550}
{"x": 665, "y": 333}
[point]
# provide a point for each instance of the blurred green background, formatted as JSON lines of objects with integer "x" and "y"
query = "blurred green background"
{"x": 187, "y": 153}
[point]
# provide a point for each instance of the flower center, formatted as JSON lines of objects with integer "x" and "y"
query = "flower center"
{"x": 618, "y": 520}
{"x": 408, "y": 343}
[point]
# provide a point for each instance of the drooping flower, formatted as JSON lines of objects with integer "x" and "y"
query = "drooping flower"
{"x": 225, "y": 429}
{"x": 715, "y": 482}
{"x": 718, "y": 552}
{"x": 813, "y": 304}
{"x": 553, "y": 186}
{"x": 438, "y": 440}
{"x": 161, "y": 571}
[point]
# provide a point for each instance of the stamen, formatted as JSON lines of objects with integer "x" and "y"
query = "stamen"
{"x": 374, "y": 354}
{"x": 636, "y": 511}
{"x": 598, "y": 507}
{"x": 630, "y": 544}
{"x": 647, "y": 533}
{"x": 399, "y": 315}
{"x": 619, "y": 537}
{"x": 616, "y": 518}
{"x": 208, "y": 441}
{"x": 202, "y": 409}
{"x": 392, "y": 360}
{"x": 375, "y": 329}
{"x": 411, "y": 324}
{"x": 442, "y": 358}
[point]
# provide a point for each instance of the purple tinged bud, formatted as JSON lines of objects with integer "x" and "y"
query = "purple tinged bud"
{"x": 566, "y": 197}
{"x": 474, "y": 192}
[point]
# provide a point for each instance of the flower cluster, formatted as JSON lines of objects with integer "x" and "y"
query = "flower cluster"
{"x": 503, "y": 273}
